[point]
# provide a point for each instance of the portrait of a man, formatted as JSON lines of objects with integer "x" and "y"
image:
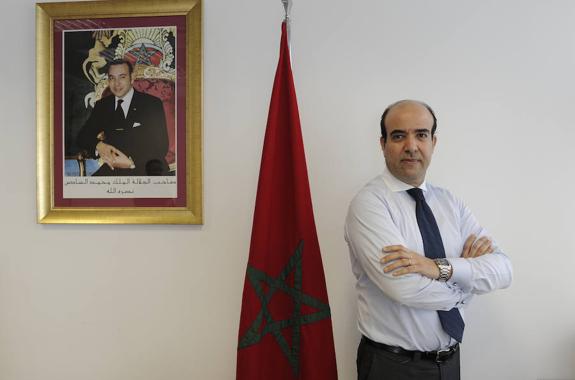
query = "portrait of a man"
{"x": 119, "y": 107}
{"x": 119, "y": 112}
{"x": 127, "y": 129}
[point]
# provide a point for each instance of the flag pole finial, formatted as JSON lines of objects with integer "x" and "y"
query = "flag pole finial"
{"x": 287, "y": 6}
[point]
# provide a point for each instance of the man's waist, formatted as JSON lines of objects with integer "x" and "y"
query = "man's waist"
{"x": 437, "y": 356}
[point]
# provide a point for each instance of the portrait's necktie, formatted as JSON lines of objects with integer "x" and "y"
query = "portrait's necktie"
{"x": 433, "y": 246}
{"x": 119, "y": 110}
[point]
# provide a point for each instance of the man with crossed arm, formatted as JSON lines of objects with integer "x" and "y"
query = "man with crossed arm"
{"x": 419, "y": 256}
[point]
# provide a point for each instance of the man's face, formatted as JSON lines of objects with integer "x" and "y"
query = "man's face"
{"x": 119, "y": 80}
{"x": 409, "y": 144}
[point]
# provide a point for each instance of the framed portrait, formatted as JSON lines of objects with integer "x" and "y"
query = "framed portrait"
{"x": 119, "y": 112}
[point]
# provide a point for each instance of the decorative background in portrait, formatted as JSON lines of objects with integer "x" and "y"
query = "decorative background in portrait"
{"x": 151, "y": 51}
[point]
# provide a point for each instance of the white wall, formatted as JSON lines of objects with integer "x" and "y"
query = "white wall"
{"x": 163, "y": 302}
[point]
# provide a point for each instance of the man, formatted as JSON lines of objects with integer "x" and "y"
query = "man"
{"x": 126, "y": 130}
{"x": 419, "y": 256}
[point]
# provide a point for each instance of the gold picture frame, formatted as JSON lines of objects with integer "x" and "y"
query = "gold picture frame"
{"x": 166, "y": 40}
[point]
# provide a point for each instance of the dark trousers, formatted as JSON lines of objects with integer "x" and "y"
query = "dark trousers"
{"x": 376, "y": 364}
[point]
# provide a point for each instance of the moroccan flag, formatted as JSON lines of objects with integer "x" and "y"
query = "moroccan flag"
{"x": 285, "y": 327}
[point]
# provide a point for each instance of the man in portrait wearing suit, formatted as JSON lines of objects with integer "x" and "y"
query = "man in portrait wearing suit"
{"x": 127, "y": 129}
{"x": 419, "y": 256}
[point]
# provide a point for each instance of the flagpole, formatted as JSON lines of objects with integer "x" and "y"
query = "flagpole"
{"x": 287, "y": 8}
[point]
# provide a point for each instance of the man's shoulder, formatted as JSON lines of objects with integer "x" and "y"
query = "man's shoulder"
{"x": 375, "y": 191}
{"x": 105, "y": 100}
{"x": 438, "y": 190}
{"x": 375, "y": 186}
{"x": 143, "y": 97}
{"x": 443, "y": 194}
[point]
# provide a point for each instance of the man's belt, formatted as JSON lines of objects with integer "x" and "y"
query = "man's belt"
{"x": 436, "y": 356}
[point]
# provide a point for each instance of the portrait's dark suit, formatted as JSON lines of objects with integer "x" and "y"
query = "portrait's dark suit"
{"x": 141, "y": 135}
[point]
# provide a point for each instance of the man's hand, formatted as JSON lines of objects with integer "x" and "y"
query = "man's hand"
{"x": 474, "y": 247}
{"x": 402, "y": 261}
{"x": 113, "y": 157}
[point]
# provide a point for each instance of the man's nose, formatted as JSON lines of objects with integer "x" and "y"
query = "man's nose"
{"x": 410, "y": 144}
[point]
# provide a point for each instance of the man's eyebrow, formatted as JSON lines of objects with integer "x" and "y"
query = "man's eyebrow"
{"x": 401, "y": 131}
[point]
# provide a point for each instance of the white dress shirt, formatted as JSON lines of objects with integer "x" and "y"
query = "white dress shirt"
{"x": 402, "y": 311}
{"x": 127, "y": 100}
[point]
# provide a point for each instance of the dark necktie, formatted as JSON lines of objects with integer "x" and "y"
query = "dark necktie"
{"x": 433, "y": 246}
{"x": 119, "y": 111}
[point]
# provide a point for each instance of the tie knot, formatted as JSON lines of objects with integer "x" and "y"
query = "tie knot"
{"x": 416, "y": 193}
{"x": 120, "y": 101}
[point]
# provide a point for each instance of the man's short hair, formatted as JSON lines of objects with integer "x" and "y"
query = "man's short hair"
{"x": 390, "y": 107}
{"x": 116, "y": 62}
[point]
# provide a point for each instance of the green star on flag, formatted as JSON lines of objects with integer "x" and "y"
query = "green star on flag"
{"x": 265, "y": 324}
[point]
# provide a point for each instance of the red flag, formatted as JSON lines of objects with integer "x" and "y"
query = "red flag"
{"x": 285, "y": 327}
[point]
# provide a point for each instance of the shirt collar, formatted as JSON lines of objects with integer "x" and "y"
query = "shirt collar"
{"x": 396, "y": 185}
{"x": 127, "y": 98}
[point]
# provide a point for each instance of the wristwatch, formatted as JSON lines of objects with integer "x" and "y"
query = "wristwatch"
{"x": 445, "y": 269}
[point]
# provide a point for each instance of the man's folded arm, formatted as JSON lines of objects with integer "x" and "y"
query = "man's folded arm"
{"x": 481, "y": 274}
{"x": 369, "y": 227}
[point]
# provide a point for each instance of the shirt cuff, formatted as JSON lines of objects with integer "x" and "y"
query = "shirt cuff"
{"x": 461, "y": 273}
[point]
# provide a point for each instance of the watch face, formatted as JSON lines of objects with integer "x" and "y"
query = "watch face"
{"x": 444, "y": 269}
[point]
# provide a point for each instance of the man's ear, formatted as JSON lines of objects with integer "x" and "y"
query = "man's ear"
{"x": 382, "y": 142}
{"x": 434, "y": 140}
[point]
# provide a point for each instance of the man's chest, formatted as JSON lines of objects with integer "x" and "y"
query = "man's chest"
{"x": 448, "y": 220}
